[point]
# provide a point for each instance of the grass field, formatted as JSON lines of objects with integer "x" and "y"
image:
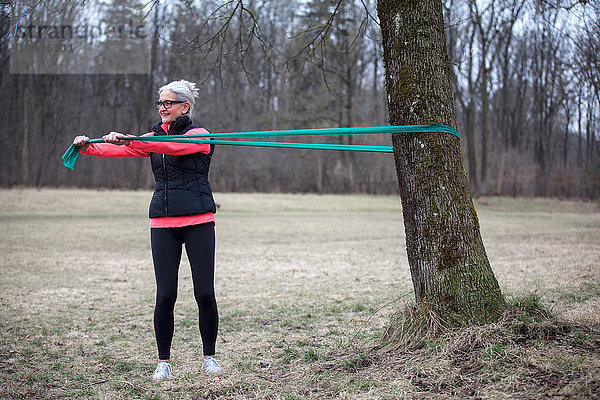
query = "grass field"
{"x": 302, "y": 281}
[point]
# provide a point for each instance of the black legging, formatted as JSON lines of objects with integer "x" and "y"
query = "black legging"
{"x": 166, "y": 252}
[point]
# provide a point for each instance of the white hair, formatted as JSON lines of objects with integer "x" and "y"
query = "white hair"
{"x": 184, "y": 90}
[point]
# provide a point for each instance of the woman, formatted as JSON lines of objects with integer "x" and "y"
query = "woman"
{"x": 181, "y": 211}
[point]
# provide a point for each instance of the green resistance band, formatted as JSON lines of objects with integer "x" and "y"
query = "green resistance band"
{"x": 72, "y": 154}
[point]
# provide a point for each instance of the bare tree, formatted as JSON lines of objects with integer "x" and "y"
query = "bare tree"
{"x": 506, "y": 72}
{"x": 449, "y": 267}
{"x": 290, "y": 64}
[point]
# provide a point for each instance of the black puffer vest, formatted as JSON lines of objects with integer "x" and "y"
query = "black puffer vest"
{"x": 181, "y": 182}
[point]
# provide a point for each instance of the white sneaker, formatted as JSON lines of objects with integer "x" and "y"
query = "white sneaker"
{"x": 163, "y": 370}
{"x": 211, "y": 365}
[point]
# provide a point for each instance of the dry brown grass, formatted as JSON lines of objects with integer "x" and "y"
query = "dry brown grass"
{"x": 299, "y": 281}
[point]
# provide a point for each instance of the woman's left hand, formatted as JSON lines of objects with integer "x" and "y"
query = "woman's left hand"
{"x": 115, "y": 138}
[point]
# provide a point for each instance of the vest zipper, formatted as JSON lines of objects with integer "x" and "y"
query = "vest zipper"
{"x": 164, "y": 163}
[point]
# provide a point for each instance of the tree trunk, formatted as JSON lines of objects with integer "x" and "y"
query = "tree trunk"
{"x": 503, "y": 118}
{"x": 588, "y": 133}
{"x": 449, "y": 267}
{"x": 470, "y": 133}
{"x": 348, "y": 155}
{"x": 24, "y": 154}
{"x": 579, "y": 133}
{"x": 469, "y": 110}
{"x": 565, "y": 157}
{"x": 484, "y": 129}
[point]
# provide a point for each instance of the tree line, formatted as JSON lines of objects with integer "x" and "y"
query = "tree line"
{"x": 524, "y": 72}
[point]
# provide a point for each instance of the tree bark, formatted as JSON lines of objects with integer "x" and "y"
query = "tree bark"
{"x": 24, "y": 154}
{"x": 470, "y": 134}
{"x": 450, "y": 270}
{"x": 484, "y": 128}
{"x": 470, "y": 115}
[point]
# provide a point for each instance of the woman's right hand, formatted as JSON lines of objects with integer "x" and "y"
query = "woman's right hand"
{"x": 81, "y": 141}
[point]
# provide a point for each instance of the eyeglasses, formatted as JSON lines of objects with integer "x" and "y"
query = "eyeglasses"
{"x": 166, "y": 104}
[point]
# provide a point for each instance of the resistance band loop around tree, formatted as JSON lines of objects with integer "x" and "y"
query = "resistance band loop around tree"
{"x": 72, "y": 154}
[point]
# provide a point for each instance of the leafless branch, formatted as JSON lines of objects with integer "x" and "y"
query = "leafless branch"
{"x": 321, "y": 34}
{"x": 154, "y": 4}
{"x": 556, "y": 4}
{"x": 233, "y": 29}
{"x": 397, "y": 299}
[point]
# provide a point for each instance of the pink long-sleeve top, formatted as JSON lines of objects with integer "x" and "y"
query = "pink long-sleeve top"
{"x": 140, "y": 148}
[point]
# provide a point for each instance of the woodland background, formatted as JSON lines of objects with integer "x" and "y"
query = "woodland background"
{"x": 525, "y": 73}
